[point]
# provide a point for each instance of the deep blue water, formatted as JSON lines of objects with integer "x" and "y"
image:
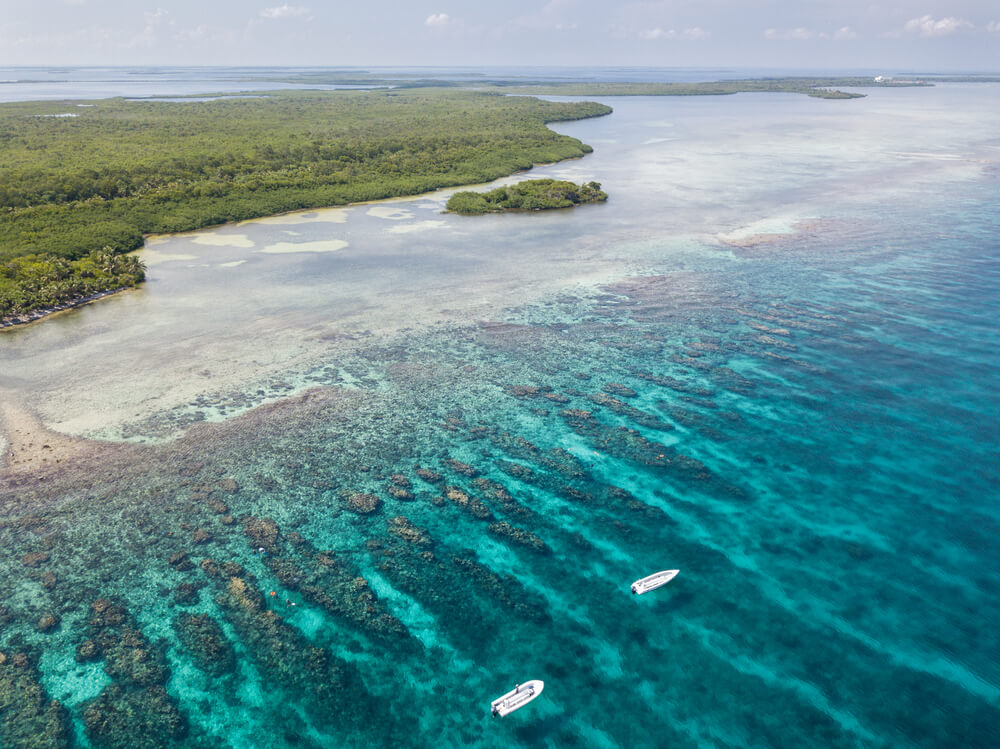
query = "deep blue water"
{"x": 807, "y": 427}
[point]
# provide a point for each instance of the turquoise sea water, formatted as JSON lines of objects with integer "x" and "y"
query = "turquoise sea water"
{"x": 802, "y": 418}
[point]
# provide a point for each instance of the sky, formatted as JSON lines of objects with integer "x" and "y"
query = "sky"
{"x": 904, "y": 35}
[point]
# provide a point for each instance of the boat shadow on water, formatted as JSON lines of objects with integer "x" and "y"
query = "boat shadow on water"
{"x": 535, "y": 732}
{"x": 673, "y": 602}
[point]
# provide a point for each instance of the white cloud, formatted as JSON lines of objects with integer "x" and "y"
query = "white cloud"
{"x": 64, "y": 39}
{"x": 844, "y": 33}
{"x": 283, "y": 11}
{"x": 555, "y": 15}
{"x": 148, "y": 36}
{"x": 155, "y": 17}
{"x": 192, "y": 35}
{"x": 438, "y": 20}
{"x": 797, "y": 33}
{"x": 993, "y": 27}
{"x": 658, "y": 33}
{"x": 930, "y": 26}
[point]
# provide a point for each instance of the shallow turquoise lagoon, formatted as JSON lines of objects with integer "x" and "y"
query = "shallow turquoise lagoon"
{"x": 356, "y": 516}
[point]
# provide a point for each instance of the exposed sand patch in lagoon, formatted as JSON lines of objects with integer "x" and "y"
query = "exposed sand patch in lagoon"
{"x": 390, "y": 212}
{"x": 417, "y": 226}
{"x": 762, "y": 231}
{"x": 323, "y": 216}
{"x": 31, "y": 448}
{"x": 39, "y": 466}
{"x": 783, "y": 235}
{"x": 214, "y": 239}
{"x": 322, "y": 245}
{"x": 154, "y": 257}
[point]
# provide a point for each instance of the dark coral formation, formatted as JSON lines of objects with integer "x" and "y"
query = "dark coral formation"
{"x": 330, "y": 689}
{"x": 519, "y": 536}
{"x": 400, "y": 488}
{"x": 135, "y": 709}
{"x": 503, "y": 588}
{"x": 29, "y": 719}
{"x": 229, "y": 486}
{"x": 87, "y": 652}
{"x": 262, "y": 532}
{"x": 564, "y": 475}
{"x": 324, "y": 579}
{"x": 186, "y": 594}
{"x": 417, "y": 570}
{"x": 638, "y": 416}
{"x": 674, "y": 384}
{"x": 469, "y": 504}
{"x": 450, "y": 586}
{"x": 497, "y": 493}
{"x": 211, "y": 496}
{"x": 516, "y": 470}
{"x": 616, "y": 388}
{"x": 409, "y": 532}
{"x": 463, "y": 468}
{"x": 122, "y": 718}
{"x": 398, "y": 479}
{"x": 201, "y": 536}
{"x": 179, "y": 561}
{"x": 34, "y": 559}
{"x": 527, "y": 391}
{"x": 426, "y": 474}
{"x": 47, "y": 623}
{"x": 127, "y": 654}
{"x": 362, "y": 503}
{"x": 204, "y": 639}
{"x": 628, "y": 444}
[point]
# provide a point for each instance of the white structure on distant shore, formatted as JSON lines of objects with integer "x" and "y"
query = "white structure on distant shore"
{"x": 882, "y": 79}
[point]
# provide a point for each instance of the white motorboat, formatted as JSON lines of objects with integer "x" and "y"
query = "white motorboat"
{"x": 517, "y": 698}
{"x": 654, "y": 581}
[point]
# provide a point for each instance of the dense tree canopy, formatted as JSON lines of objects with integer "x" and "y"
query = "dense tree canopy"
{"x": 44, "y": 281}
{"x": 530, "y": 195}
{"x": 79, "y": 178}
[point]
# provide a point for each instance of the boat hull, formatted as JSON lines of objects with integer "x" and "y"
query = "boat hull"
{"x": 517, "y": 698}
{"x": 654, "y": 581}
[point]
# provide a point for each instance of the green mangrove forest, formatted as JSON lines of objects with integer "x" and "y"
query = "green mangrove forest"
{"x": 529, "y": 195}
{"x": 84, "y": 178}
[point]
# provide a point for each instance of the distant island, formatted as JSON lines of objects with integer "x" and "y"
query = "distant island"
{"x": 530, "y": 195}
{"x": 816, "y": 87}
{"x": 821, "y": 87}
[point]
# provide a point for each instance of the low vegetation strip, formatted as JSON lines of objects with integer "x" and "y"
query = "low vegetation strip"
{"x": 530, "y": 195}
{"x": 823, "y": 88}
{"x": 34, "y": 283}
{"x": 75, "y": 180}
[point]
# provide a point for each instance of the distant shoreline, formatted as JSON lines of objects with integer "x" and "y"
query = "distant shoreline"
{"x": 38, "y": 314}
{"x": 128, "y": 170}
